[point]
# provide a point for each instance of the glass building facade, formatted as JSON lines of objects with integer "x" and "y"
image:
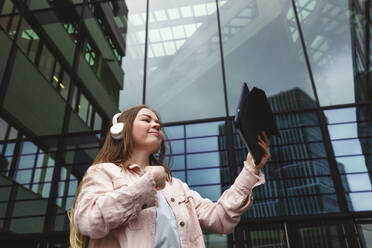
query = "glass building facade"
{"x": 67, "y": 66}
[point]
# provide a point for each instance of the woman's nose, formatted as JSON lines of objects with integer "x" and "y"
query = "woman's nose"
{"x": 156, "y": 125}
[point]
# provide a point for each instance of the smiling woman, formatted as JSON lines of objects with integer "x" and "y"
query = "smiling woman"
{"x": 128, "y": 195}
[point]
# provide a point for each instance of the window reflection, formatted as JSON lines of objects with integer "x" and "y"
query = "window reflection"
{"x": 178, "y": 146}
{"x": 177, "y": 162}
{"x": 245, "y": 25}
{"x": 347, "y": 147}
{"x": 174, "y": 132}
{"x": 358, "y": 182}
{"x": 202, "y": 144}
{"x": 203, "y": 160}
{"x": 204, "y": 176}
{"x": 27, "y": 225}
{"x": 360, "y": 201}
{"x": 352, "y": 163}
{"x": 366, "y": 230}
{"x": 205, "y": 129}
{"x": 180, "y": 175}
{"x": 318, "y": 236}
{"x": 211, "y": 192}
{"x": 262, "y": 235}
{"x": 324, "y": 45}
{"x": 173, "y": 53}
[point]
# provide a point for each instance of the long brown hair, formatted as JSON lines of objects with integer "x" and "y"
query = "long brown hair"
{"x": 119, "y": 153}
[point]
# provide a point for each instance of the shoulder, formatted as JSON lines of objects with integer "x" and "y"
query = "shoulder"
{"x": 178, "y": 183}
{"x": 103, "y": 169}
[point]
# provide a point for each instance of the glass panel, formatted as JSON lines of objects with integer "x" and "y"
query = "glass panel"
{"x": 174, "y": 132}
{"x": 183, "y": 62}
{"x": 28, "y": 147}
{"x": 351, "y": 164}
{"x": 133, "y": 62}
{"x": 260, "y": 236}
{"x": 357, "y": 182}
{"x": 5, "y": 164}
{"x": 340, "y": 115}
{"x": 177, "y": 162}
{"x": 28, "y": 40}
{"x": 72, "y": 187}
{"x": 308, "y": 186}
{"x": 261, "y": 46}
{"x": 97, "y": 121}
{"x": 215, "y": 240}
{"x": 211, "y": 192}
{"x": 83, "y": 108}
{"x": 25, "y": 194}
{"x": 178, "y": 146}
{"x": 7, "y": 7}
{"x": 202, "y": 144}
{"x": 180, "y": 175}
{"x": 201, "y": 160}
{"x": 9, "y": 149}
{"x": 360, "y": 201}
{"x": 46, "y": 63}
{"x": 27, "y": 225}
{"x": 23, "y": 176}
{"x": 321, "y": 236}
{"x": 13, "y": 133}
{"x": 342, "y": 131}
{"x": 312, "y": 204}
{"x": 60, "y": 224}
{"x": 366, "y": 231}
{"x": 13, "y": 26}
{"x": 26, "y": 161}
{"x": 326, "y": 30}
{"x": 29, "y": 208}
{"x": 3, "y": 207}
{"x": 204, "y": 176}
{"x": 4, "y": 193}
{"x": 3, "y": 128}
{"x": 64, "y": 85}
{"x": 347, "y": 147}
{"x": 46, "y": 159}
{"x": 43, "y": 175}
{"x": 205, "y": 129}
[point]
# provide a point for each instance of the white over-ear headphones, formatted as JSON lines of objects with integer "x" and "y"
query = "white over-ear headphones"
{"x": 117, "y": 128}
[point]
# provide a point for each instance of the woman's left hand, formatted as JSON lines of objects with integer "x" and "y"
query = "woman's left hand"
{"x": 264, "y": 144}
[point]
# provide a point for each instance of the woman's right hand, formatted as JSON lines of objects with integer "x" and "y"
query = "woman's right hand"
{"x": 159, "y": 175}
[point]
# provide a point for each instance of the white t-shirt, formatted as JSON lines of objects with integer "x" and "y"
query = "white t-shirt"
{"x": 166, "y": 233}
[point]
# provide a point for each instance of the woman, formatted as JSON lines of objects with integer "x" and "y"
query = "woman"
{"x": 128, "y": 198}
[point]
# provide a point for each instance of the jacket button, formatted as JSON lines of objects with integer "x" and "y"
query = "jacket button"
{"x": 182, "y": 223}
{"x": 172, "y": 199}
{"x": 144, "y": 206}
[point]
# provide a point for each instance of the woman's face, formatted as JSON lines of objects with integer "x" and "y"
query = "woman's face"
{"x": 146, "y": 131}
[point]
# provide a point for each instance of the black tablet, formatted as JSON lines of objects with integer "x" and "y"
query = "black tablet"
{"x": 253, "y": 115}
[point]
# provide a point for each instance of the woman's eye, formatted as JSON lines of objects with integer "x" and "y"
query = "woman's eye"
{"x": 147, "y": 120}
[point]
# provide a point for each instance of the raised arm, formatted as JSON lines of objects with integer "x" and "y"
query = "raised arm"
{"x": 223, "y": 215}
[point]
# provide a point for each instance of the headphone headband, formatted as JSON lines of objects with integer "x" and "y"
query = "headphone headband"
{"x": 115, "y": 118}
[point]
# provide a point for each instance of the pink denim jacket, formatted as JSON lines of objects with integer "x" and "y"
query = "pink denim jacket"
{"x": 116, "y": 207}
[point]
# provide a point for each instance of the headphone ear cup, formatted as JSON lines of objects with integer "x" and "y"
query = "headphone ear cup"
{"x": 117, "y": 131}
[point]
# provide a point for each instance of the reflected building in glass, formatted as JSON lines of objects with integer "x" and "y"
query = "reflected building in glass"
{"x": 62, "y": 78}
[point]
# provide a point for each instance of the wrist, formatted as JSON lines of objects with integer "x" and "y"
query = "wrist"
{"x": 252, "y": 167}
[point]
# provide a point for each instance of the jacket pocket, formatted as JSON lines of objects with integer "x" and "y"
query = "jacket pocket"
{"x": 188, "y": 214}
